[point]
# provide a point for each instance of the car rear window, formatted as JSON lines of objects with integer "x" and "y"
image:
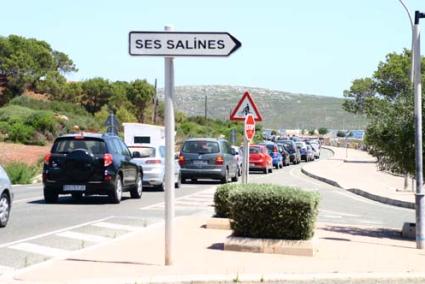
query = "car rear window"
{"x": 67, "y": 145}
{"x": 254, "y": 150}
{"x": 201, "y": 147}
{"x": 145, "y": 152}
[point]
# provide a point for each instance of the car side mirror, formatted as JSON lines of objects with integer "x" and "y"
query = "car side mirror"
{"x": 136, "y": 155}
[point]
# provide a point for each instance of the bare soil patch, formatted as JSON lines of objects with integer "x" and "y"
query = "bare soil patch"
{"x": 22, "y": 153}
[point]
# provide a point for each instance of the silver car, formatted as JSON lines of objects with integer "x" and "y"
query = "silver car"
{"x": 153, "y": 164}
{"x": 208, "y": 158}
{"x": 6, "y": 197}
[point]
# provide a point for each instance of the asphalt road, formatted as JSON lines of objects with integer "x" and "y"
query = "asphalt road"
{"x": 38, "y": 231}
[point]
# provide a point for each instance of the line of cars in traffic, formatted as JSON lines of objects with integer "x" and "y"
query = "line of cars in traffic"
{"x": 268, "y": 155}
{"x": 84, "y": 164}
{"x": 208, "y": 158}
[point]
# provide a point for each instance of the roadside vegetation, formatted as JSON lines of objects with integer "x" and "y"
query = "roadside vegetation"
{"x": 290, "y": 212}
{"x": 386, "y": 99}
{"x": 21, "y": 173}
{"x": 37, "y": 103}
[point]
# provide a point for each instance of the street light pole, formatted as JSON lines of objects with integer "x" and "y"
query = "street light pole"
{"x": 406, "y": 176}
{"x": 419, "y": 196}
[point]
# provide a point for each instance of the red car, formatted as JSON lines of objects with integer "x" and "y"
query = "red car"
{"x": 259, "y": 159}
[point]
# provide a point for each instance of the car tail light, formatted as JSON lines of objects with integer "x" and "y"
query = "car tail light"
{"x": 182, "y": 160}
{"x": 107, "y": 160}
{"x": 153, "y": 162}
{"x": 219, "y": 160}
{"x": 47, "y": 159}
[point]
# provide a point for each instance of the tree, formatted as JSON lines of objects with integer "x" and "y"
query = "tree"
{"x": 341, "y": 134}
{"x": 388, "y": 105}
{"x": 24, "y": 62}
{"x": 323, "y": 131}
{"x": 360, "y": 90}
{"x": 96, "y": 94}
{"x": 140, "y": 93}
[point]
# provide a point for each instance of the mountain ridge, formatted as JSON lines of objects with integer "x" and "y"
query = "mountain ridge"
{"x": 280, "y": 109}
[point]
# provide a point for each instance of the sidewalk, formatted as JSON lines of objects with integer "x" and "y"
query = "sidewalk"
{"x": 345, "y": 255}
{"x": 357, "y": 172}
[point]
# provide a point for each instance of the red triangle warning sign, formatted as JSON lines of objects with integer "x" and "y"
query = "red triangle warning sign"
{"x": 244, "y": 107}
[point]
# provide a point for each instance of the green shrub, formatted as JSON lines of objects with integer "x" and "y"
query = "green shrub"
{"x": 43, "y": 121}
{"x": 221, "y": 199}
{"x": 272, "y": 211}
{"x": 21, "y": 133}
{"x": 20, "y": 173}
{"x": 56, "y": 106}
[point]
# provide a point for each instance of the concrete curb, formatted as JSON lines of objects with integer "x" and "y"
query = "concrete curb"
{"x": 363, "y": 193}
{"x": 329, "y": 149}
{"x": 316, "y": 278}
{"x": 382, "y": 199}
{"x": 359, "y": 162}
{"x": 322, "y": 179}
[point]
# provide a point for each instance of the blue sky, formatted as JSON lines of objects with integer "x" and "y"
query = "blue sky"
{"x": 304, "y": 46}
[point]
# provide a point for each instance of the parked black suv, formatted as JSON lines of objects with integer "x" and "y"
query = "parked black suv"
{"x": 89, "y": 164}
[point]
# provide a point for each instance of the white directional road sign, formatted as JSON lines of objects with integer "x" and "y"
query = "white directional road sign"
{"x": 169, "y": 43}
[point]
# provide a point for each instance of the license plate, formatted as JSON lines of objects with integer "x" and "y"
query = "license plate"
{"x": 200, "y": 163}
{"x": 72, "y": 187}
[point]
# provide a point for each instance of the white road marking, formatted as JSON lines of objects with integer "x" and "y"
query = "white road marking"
{"x": 371, "y": 222}
{"x": 39, "y": 249}
{"x": 115, "y": 226}
{"x": 83, "y": 237}
{"x": 338, "y": 213}
{"x": 332, "y": 216}
{"x": 210, "y": 190}
{"x": 53, "y": 232}
{"x": 6, "y": 269}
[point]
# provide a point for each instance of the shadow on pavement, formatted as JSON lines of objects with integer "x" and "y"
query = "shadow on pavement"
{"x": 217, "y": 246}
{"x": 111, "y": 261}
{"x": 87, "y": 200}
{"x": 366, "y": 232}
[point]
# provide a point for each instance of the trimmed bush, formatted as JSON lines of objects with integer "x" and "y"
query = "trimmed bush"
{"x": 20, "y": 173}
{"x": 221, "y": 199}
{"x": 272, "y": 211}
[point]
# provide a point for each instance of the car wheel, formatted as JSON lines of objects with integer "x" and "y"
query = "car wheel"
{"x": 4, "y": 209}
{"x": 77, "y": 196}
{"x": 137, "y": 191}
{"x": 236, "y": 177}
{"x": 225, "y": 179}
{"x": 179, "y": 182}
{"x": 117, "y": 194}
{"x": 266, "y": 170}
{"x": 50, "y": 196}
{"x": 271, "y": 170}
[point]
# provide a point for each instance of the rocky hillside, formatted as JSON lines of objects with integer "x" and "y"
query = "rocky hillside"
{"x": 279, "y": 109}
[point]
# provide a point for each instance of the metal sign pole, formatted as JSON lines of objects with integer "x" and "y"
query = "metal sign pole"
{"x": 245, "y": 173}
{"x": 419, "y": 196}
{"x": 169, "y": 159}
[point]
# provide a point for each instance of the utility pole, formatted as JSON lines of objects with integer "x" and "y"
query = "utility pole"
{"x": 155, "y": 104}
{"x": 206, "y": 107}
{"x": 412, "y": 72}
{"x": 419, "y": 196}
